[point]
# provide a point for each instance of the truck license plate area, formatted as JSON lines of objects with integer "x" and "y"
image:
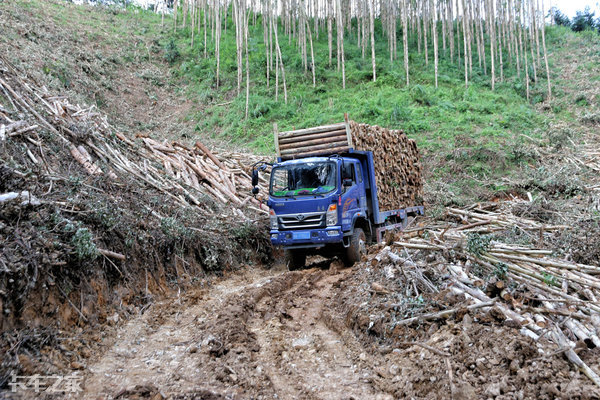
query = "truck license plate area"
{"x": 301, "y": 235}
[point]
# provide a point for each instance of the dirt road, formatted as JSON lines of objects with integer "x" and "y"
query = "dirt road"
{"x": 261, "y": 334}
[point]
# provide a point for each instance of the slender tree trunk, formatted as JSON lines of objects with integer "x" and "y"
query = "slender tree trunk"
{"x": 525, "y": 55}
{"x": 372, "y": 24}
{"x": 419, "y": 19}
{"x": 469, "y": 33}
{"x": 330, "y": 38}
{"x": 218, "y": 41}
{"x": 532, "y": 46}
{"x": 175, "y": 15}
{"x": 193, "y": 17}
{"x": 477, "y": 34}
{"x": 492, "y": 39}
{"x": 534, "y": 21}
{"x": 238, "y": 43}
{"x": 340, "y": 35}
{"x": 443, "y": 7}
{"x": 280, "y": 63}
{"x": 247, "y": 61}
{"x": 465, "y": 51}
{"x": 513, "y": 17}
{"x": 312, "y": 55}
{"x": 546, "y": 53}
{"x": 425, "y": 29}
{"x": 405, "y": 39}
{"x": 451, "y": 30}
{"x": 274, "y": 17}
{"x": 435, "y": 39}
{"x": 205, "y": 41}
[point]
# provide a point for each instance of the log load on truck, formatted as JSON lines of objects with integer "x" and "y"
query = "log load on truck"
{"x": 336, "y": 188}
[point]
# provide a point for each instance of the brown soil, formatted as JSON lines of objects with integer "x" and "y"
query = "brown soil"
{"x": 320, "y": 334}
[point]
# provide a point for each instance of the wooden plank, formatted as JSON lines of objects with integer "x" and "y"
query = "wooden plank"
{"x": 336, "y": 138}
{"x": 276, "y": 136}
{"x": 348, "y": 131}
{"x": 325, "y": 146}
{"x": 308, "y": 131}
{"x": 316, "y": 153}
{"x": 340, "y": 132}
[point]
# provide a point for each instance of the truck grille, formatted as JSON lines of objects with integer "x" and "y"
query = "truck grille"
{"x": 302, "y": 220}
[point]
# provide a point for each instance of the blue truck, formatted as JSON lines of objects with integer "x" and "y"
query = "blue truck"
{"x": 323, "y": 197}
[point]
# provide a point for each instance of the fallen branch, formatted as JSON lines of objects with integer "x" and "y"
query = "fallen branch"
{"x": 445, "y": 313}
{"x": 112, "y": 254}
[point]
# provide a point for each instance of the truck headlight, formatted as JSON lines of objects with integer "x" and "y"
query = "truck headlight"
{"x": 273, "y": 219}
{"x": 332, "y": 217}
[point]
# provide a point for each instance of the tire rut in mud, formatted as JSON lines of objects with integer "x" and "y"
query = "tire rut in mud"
{"x": 267, "y": 338}
{"x": 301, "y": 353}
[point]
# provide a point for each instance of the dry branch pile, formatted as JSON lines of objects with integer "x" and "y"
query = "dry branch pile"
{"x": 397, "y": 166}
{"x": 542, "y": 294}
{"x": 187, "y": 175}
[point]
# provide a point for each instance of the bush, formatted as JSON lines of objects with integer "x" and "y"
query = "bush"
{"x": 583, "y": 20}
{"x": 84, "y": 246}
{"x": 171, "y": 52}
{"x": 560, "y": 19}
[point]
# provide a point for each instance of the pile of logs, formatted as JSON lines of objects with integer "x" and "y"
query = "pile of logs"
{"x": 397, "y": 165}
{"x": 224, "y": 176}
{"x": 543, "y": 294}
{"x": 188, "y": 175}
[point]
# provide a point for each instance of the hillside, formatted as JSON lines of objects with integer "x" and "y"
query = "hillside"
{"x": 477, "y": 142}
{"x": 155, "y": 278}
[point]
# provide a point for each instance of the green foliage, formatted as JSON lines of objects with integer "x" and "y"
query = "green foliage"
{"x": 560, "y": 19}
{"x": 173, "y": 228}
{"x": 583, "y": 20}
{"x": 82, "y": 241}
{"x": 500, "y": 270}
{"x": 549, "y": 279}
{"x": 171, "y": 52}
{"x": 478, "y": 244}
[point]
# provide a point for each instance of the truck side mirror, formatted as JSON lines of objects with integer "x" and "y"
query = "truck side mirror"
{"x": 347, "y": 182}
{"x": 254, "y": 177}
{"x": 255, "y": 190}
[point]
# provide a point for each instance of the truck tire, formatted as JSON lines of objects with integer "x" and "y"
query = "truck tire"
{"x": 295, "y": 259}
{"x": 358, "y": 247}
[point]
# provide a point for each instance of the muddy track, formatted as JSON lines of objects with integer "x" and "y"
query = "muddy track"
{"x": 257, "y": 335}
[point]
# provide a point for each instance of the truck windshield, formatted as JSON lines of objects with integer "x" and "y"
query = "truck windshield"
{"x": 311, "y": 178}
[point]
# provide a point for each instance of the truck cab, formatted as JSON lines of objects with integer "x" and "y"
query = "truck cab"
{"x": 321, "y": 205}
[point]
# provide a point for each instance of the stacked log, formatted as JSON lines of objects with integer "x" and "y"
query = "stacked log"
{"x": 326, "y": 139}
{"x": 225, "y": 178}
{"x": 397, "y": 165}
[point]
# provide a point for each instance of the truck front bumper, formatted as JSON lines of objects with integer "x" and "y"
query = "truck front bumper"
{"x": 307, "y": 237}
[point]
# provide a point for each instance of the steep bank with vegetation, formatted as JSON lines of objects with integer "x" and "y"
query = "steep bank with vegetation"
{"x": 93, "y": 228}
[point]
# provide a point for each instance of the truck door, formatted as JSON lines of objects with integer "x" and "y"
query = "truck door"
{"x": 353, "y": 197}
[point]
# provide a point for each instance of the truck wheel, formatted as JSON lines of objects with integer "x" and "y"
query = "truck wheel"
{"x": 295, "y": 259}
{"x": 358, "y": 247}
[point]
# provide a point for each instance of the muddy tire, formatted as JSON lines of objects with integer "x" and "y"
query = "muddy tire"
{"x": 295, "y": 259}
{"x": 358, "y": 247}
